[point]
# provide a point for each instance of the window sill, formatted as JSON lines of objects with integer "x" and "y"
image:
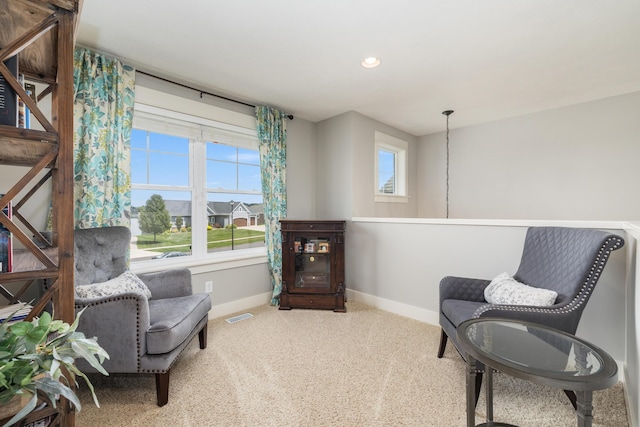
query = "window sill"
{"x": 387, "y": 198}
{"x": 210, "y": 262}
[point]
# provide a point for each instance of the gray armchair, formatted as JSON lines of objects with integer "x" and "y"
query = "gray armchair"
{"x": 141, "y": 335}
{"x": 566, "y": 260}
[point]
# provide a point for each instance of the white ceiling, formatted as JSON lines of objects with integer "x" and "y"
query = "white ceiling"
{"x": 487, "y": 59}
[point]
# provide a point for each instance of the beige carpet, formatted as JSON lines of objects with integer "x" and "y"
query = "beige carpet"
{"x": 366, "y": 367}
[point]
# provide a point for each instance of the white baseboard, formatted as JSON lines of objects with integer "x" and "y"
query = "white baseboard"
{"x": 239, "y": 305}
{"x": 631, "y": 417}
{"x": 406, "y": 310}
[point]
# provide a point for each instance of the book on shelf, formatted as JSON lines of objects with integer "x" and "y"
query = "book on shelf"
{"x": 8, "y": 97}
{"x": 23, "y": 111}
{"x": 6, "y": 254}
{"x": 6, "y": 243}
{"x": 30, "y": 88}
{"x": 15, "y": 312}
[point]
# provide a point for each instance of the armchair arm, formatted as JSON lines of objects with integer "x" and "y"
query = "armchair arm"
{"x": 169, "y": 283}
{"x": 556, "y": 316}
{"x": 462, "y": 288}
{"x": 120, "y": 323}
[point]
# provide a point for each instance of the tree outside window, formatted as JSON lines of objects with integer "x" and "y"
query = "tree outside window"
{"x": 154, "y": 217}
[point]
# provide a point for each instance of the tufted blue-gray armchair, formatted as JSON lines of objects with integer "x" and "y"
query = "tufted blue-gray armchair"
{"x": 141, "y": 334}
{"x": 566, "y": 260}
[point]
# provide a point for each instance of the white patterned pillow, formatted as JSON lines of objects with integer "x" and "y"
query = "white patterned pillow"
{"x": 504, "y": 289}
{"x": 126, "y": 282}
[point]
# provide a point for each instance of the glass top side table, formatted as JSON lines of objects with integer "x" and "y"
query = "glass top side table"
{"x": 534, "y": 353}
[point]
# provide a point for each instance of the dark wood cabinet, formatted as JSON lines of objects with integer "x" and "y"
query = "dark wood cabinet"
{"x": 313, "y": 265}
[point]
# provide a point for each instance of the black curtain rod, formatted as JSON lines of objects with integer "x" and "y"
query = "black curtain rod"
{"x": 202, "y": 92}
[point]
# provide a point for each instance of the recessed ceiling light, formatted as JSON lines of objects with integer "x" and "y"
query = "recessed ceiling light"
{"x": 371, "y": 62}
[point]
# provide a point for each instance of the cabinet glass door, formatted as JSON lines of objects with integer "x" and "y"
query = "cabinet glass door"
{"x": 312, "y": 263}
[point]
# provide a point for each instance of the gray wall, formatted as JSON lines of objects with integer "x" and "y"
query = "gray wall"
{"x": 301, "y": 169}
{"x": 334, "y": 154}
{"x": 233, "y": 284}
{"x": 346, "y": 159}
{"x": 632, "y": 336}
{"x": 579, "y": 162}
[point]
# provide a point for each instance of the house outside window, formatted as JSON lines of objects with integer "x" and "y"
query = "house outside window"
{"x": 390, "y": 169}
{"x": 204, "y": 179}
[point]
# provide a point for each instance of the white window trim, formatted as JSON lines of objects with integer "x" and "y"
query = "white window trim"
{"x": 400, "y": 148}
{"x": 167, "y": 101}
{"x": 210, "y": 262}
{"x": 146, "y": 117}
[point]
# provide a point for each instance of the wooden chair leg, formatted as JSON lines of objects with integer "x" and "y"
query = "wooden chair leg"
{"x": 443, "y": 344}
{"x": 202, "y": 337}
{"x": 162, "y": 380}
{"x": 162, "y": 388}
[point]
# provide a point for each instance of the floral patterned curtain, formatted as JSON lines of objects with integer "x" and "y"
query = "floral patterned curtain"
{"x": 272, "y": 133}
{"x": 103, "y": 113}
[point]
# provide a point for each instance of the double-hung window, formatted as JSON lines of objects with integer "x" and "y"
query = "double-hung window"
{"x": 195, "y": 186}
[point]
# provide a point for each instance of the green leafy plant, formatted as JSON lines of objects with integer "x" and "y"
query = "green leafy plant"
{"x": 37, "y": 358}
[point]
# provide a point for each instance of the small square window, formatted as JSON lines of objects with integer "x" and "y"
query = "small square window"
{"x": 390, "y": 169}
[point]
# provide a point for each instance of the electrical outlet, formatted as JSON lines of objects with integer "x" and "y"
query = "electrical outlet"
{"x": 208, "y": 286}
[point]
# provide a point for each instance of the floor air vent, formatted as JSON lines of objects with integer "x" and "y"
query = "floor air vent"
{"x": 238, "y": 318}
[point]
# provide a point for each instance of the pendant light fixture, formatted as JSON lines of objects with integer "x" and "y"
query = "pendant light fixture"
{"x": 447, "y": 113}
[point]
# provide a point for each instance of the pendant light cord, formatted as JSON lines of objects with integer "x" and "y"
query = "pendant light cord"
{"x": 447, "y": 113}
